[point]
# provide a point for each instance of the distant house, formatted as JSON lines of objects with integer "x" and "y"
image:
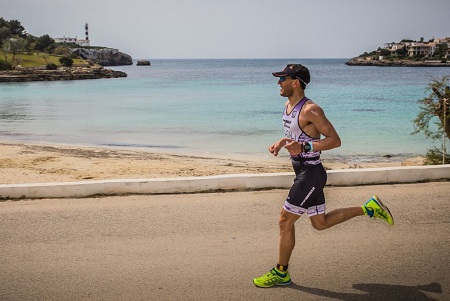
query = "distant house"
{"x": 81, "y": 42}
{"x": 441, "y": 42}
{"x": 393, "y": 47}
{"x": 421, "y": 49}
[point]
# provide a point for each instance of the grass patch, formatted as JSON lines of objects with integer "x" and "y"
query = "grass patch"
{"x": 38, "y": 59}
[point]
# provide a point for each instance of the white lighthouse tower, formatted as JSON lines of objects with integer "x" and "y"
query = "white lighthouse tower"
{"x": 86, "y": 41}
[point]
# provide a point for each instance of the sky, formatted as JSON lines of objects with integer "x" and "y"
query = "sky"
{"x": 178, "y": 29}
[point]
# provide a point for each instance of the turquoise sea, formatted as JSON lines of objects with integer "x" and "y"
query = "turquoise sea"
{"x": 221, "y": 107}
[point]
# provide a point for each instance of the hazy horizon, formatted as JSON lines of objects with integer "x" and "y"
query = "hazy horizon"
{"x": 236, "y": 29}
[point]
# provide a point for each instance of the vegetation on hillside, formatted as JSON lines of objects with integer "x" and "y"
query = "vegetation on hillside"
{"x": 401, "y": 53}
{"x": 17, "y": 47}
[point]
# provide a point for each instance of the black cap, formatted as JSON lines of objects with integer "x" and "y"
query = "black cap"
{"x": 301, "y": 73}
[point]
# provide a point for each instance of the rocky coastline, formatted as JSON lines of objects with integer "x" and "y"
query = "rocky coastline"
{"x": 62, "y": 73}
{"x": 360, "y": 61}
{"x": 104, "y": 56}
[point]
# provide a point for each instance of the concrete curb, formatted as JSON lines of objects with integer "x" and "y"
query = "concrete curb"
{"x": 238, "y": 182}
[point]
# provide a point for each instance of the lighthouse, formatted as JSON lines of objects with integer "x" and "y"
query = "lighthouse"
{"x": 80, "y": 42}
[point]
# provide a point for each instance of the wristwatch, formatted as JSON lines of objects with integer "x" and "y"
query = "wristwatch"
{"x": 306, "y": 147}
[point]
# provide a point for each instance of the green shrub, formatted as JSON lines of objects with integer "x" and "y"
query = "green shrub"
{"x": 66, "y": 61}
{"x": 434, "y": 157}
{"x": 51, "y": 66}
{"x": 4, "y": 65}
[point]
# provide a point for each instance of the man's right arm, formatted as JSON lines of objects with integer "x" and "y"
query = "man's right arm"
{"x": 275, "y": 148}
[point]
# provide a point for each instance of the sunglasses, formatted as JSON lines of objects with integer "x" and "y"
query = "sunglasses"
{"x": 283, "y": 78}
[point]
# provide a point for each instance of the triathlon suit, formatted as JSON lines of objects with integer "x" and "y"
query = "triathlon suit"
{"x": 306, "y": 194}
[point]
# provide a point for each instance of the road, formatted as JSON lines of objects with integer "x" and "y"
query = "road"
{"x": 210, "y": 247}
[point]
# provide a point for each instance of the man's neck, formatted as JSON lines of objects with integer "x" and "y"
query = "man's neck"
{"x": 296, "y": 98}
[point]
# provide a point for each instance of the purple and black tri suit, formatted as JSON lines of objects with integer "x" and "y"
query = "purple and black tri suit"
{"x": 306, "y": 194}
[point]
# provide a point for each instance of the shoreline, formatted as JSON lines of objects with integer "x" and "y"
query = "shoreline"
{"x": 34, "y": 162}
{"x": 32, "y": 74}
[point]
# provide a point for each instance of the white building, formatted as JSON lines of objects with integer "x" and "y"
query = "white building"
{"x": 421, "y": 49}
{"x": 81, "y": 42}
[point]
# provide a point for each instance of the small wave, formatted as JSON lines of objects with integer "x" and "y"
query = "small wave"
{"x": 372, "y": 158}
{"x": 368, "y": 110}
{"x": 141, "y": 145}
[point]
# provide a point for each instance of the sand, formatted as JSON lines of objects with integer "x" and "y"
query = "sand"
{"x": 22, "y": 163}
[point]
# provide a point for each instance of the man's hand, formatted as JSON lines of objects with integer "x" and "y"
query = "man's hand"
{"x": 293, "y": 147}
{"x": 275, "y": 148}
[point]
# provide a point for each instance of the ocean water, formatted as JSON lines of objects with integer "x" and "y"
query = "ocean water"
{"x": 221, "y": 107}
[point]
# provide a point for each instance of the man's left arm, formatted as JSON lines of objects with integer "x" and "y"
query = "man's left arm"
{"x": 314, "y": 114}
{"x": 317, "y": 117}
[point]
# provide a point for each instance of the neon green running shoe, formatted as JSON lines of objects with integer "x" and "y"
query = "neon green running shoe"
{"x": 272, "y": 278}
{"x": 376, "y": 209}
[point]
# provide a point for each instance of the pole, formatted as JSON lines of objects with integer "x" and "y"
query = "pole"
{"x": 444, "y": 135}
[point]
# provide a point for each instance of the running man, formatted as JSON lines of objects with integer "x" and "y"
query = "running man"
{"x": 304, "y": 125}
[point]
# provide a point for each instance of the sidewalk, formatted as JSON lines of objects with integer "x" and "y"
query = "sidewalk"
{"x": 210, "y": 246}
{"x": 239, "y": 182}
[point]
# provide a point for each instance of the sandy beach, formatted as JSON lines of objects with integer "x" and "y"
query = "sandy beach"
{"x": 22, "y": 163}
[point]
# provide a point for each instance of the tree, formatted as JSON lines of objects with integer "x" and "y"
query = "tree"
{"x": 3, "y": 23}
{"x": 44, "y": 43}
{"x": 62, "y": 50}
{"x": 402, "y": 51}
{"x": 14, "y": 45}
{"x": 5, "y": 33}
{"x": 17, "y": 28}
{"x": 435, "y": 108}
{"x": 66, "y": 61}
{"x": 441, "y": 51}
{"x": 384, "y": 52}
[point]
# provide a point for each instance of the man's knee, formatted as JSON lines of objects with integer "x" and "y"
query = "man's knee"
{"x": 286, "y": 221}
{"x": 282, "y": 221}
{"x": 319, "y": 226}
{"x": 319, "y": 223}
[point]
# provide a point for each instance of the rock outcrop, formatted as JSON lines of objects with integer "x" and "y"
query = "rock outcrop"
{"x": 359, "y": 61}
{"x": 62, "y": 73}
{"x": 143, "y": 63}
{"x": 104, "y": 56}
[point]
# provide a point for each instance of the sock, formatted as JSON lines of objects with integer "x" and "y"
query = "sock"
{"x": 282, "y": 268}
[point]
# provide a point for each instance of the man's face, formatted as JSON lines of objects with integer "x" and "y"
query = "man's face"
{"x": 286, "y": 84}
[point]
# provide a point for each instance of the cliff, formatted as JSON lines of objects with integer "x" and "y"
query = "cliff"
{"x": 360, "y": 61}
{"x": 104, "y": 56}
{"x": 62, "y": 73}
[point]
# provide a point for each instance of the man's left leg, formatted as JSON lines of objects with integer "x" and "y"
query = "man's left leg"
{"x": 374, "y": 208}
{"x": 332, "y": 218}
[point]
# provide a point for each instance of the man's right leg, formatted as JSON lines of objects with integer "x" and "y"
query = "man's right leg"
{"x": 287, "y": 236}
{"x": 279, "y": 275}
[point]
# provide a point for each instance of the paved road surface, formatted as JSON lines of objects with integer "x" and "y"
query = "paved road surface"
{"x": 210, "y": 246}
